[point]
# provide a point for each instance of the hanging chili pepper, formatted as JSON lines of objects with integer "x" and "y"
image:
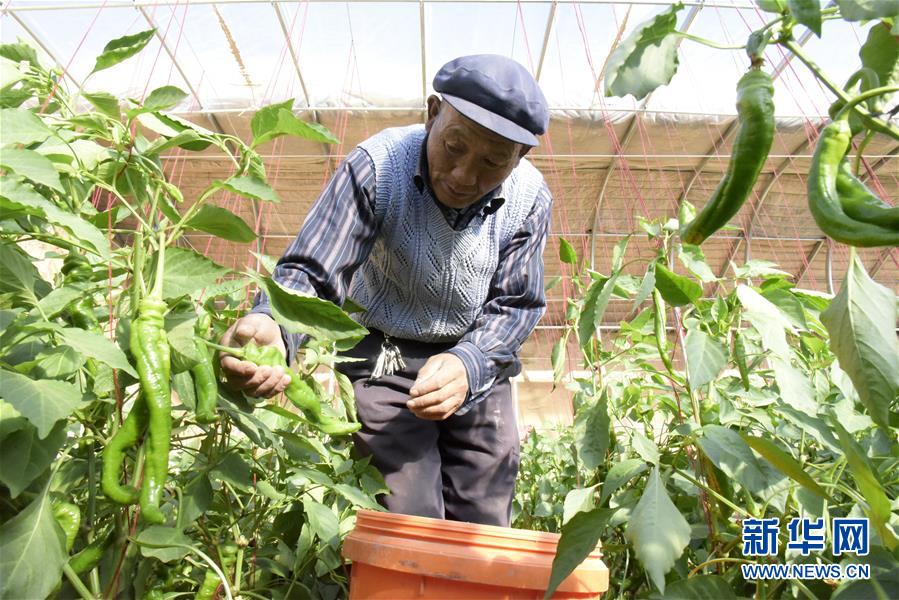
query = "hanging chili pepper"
{"x": 861, "y": 204}
{"x": 298, "y": 391}
{"x": 824, "y": 199}
{"x": 114, "y": 454}
{"x": 755, "y": 111}
{"x": 89, "y": 556}
{"x": 661, "y": 332}
{"x": 150, "y": 348}
{"x": 69, "y": 518}
{"x": 205, "y": 381}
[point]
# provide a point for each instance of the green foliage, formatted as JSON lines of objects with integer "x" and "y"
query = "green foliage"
{"x": 750, "y": 416}
{"x": 259, "y": 482}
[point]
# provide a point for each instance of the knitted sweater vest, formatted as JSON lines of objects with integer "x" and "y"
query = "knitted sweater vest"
{"x": 423, "y": 280}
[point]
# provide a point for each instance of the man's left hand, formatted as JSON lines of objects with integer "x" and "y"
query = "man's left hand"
{"x": 440, "y": 388}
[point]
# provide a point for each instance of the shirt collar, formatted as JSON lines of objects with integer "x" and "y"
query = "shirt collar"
{"x": 490, "y": 203}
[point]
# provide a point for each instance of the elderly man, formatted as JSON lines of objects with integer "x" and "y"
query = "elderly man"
{"x": 438, "y": 232}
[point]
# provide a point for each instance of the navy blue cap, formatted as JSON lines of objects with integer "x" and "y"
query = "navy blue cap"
{"x": 497, "y": 93}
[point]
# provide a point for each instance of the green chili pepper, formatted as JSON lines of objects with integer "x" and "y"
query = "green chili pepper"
{"x": 298, "y": 391}
{"x": 209, "y": 586}
{"x": 824, "y": 199}
{"x": 740, "y": 359}
{"x": 205, "y": 381}
{"x": 114, "y": 454}
{"x": 861, "y": 204}
{"x": 69, "y": 518}
{"x": 89, "y": 557}
{"x": 755, "y": 111}
{"x": 211, "y": 581}
{"x": 76, "y": 269}
{"x": 659, "y": 318}
{"x": 150, "y": 348}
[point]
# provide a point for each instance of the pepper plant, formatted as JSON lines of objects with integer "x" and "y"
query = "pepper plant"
{"x": 128, "y": 471}
{"x": 764, "y": 401}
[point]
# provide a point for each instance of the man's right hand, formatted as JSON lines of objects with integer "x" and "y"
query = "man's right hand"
{"x": 242, "y": 375}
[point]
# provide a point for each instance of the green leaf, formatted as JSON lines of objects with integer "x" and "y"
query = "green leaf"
{"x": 794, "y": 386}
{"x": 693, "y": 258}
{"x": 249, "y": 187}
{"x": 98, "y": 346}
{"x": 861, "y": 321}
{"x": 180, "y": 331}
{"x": 18, "y": 195}
{"x": 580, "y": 537}
{"x": 31, "y": 165}
{"x": 21, "y": 126}
{"x": 184, "y": 139}
{"x": 27, "y": 456}
{"x": 222, "y": 223}
{"x": 51, "y": 304}
{"x": 33, "y": 552}
{"x": 196, "y": 501}
{"x": 787, "y": 465}
{"x": 187, "y": 271}
{"x": 700, "y": 587}
{"x": 788, "y": 304}
{"x": 677, "y": 290}
{"x": 122, "y": 48}
{"x": 772, "y": 6}
{"x": 645, "y": 447}
{"x": 164, "y": 98}
{"x": 163, "y": 543}
{"x": 18, "y": 275}
{"x": 60, "y": 362}
{"x": 706, "y": 356}
{"x": 43, "y": 402}
{"x": 591, "y": 432}
{"x": 311, "y": 315}
{"x": 808, "y": 13}
{"x": 322, "y": 520}
{"x": 357, "y": 497}
{"x": 646, "y": 59}
{"x": 880, "y": 53}
{"x": 578, "y": 500}
{"x": 866, "y": 10}
{"x": 646, "y": 286}
{"x": 277, "y": 120}
{"x": 657, "y": 530}
{"x": 727, "y": 451}
{"x": 104, "y": 102}
{"x": 235, "y": 471}
{"x": 868, "y": 484}
{"x": 559, "y": 355}
{"x": 566, "y": 252}
{"x": 595, "y": 303}
{"x": 10, "y": 74}
{"x": 620, "y": 474}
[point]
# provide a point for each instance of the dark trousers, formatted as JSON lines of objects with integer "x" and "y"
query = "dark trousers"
{"x": 462, "y": 468}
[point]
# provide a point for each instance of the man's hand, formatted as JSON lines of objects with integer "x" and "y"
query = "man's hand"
{"x": 242, "y": 375}
{"x": 440, "y": 388}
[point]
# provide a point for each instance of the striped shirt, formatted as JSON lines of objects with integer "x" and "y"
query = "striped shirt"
{"x": 339, "y": 234}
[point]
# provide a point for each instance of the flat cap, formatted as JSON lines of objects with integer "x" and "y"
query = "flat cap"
{"x": 497, "y": 93}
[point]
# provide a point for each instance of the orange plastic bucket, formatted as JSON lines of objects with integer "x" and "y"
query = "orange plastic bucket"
{"x": 399, "y": 556}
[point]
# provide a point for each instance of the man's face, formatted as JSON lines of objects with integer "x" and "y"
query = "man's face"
{"x": 465, "y": 160}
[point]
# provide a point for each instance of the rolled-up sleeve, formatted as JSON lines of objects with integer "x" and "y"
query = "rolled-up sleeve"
{"x": 514, "y": 306}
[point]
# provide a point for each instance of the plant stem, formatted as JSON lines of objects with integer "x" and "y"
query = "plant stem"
{"x": 793, "y": 47}
{"x": 721, "y": 498}
{"x": 713, "y": 561}
{"x": 856, "y": 100}
{"x": 77, "y": 583}
{"x": 706, "y": 42}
